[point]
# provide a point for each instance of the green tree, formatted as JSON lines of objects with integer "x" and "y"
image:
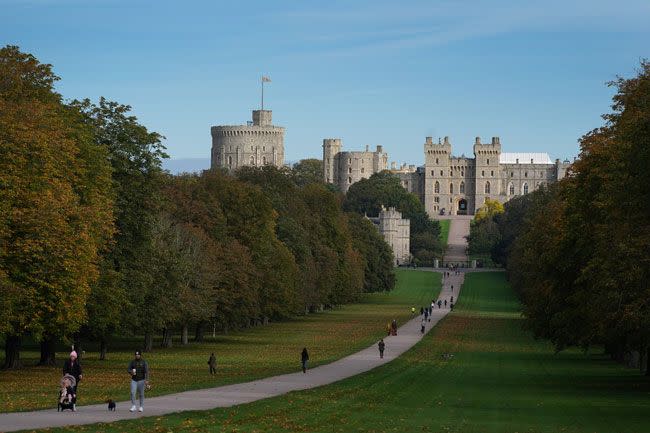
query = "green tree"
{"x": 308, "y": 171}
{"x": 379, "y": 275}
{"x": 56, "y": 213}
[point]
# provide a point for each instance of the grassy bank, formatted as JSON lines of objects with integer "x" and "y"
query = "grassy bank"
{"x": 444, "y": 232}
{"x": 241, "y": 356}
{"x": 499, "y": 380}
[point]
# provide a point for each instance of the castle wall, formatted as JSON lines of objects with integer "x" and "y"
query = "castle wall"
{"x": 256, "y": 145}
{"x": 345, "y": 168}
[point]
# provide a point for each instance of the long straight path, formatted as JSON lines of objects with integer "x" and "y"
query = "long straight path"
{"x": 230, "y": 395}
{"x": 457, "y": 242}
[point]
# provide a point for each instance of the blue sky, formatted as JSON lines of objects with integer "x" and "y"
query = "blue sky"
{"x": 369, "y": 72}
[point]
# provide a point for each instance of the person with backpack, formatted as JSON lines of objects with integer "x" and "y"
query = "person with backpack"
{"x": 381, "y": 346}
{"x": 304, "y": 358}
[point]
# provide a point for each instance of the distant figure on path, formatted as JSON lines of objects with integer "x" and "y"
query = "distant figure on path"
{"x": 451, "y": 306}
{"x": 445, "y": 303}
{"x": 212, "y": 362}
{"x": 423, "y": 324}
{"x": 381, "y": 346}
{"x": 439, "y": 303}
{"x": 139, "y": 371}
{"x": 389, "y": 327}
{"x": 304, "y": 358}
{"x": 426, "y": 314}
{"x": 394, "y": 327}
{"x": 452, "y": 299}
{"x": 452, "y": 287}
{"x": 73, "y": 368}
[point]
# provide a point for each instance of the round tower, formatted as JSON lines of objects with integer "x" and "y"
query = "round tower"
{"x": 331, "y": 148}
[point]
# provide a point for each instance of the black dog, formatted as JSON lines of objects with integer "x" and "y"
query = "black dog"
{"x": 111, "y": 405}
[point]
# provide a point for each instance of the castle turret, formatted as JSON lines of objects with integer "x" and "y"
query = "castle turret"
{"x": 488, "y": 171}
{"x": 257, "y": 144}
{"x": 437, "y": 158}
{"x": 331, "y": 148}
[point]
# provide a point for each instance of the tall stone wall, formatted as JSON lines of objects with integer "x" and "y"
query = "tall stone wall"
{"x": 257, "y": 144}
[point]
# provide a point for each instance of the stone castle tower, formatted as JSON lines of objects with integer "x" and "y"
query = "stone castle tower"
{"x": 396, "y": 232}
{"x": 345, "y": 168}
{"x": 256, "y": 144}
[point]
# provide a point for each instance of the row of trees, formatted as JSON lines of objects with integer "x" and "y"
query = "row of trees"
{"x": 578, "y": 252}
{"x": 96, "y": 238}
{"x": 367, "y": 197}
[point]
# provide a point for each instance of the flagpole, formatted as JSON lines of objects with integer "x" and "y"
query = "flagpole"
{"x": 262, "y": 93}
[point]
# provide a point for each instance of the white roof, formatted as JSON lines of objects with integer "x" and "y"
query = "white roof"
{"x": 525, "y": 158}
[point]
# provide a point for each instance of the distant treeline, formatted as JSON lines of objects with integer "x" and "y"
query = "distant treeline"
{"x": 578, "y": 252}
{"x": 95, "y": 239}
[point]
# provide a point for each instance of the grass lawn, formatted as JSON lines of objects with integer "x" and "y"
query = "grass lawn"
{"x": 499, "y": 380}
{"x": 444, "y": 232}
{"x": 241, "y": 356}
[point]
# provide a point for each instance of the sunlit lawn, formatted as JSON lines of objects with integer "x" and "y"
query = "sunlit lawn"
{"x": 241, "y": 356}
{"x": 444, "y": 232}
{"x": 499, "y": 380}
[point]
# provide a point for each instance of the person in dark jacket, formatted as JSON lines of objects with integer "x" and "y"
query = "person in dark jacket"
{"x": 381, "y": 346}
{"x": 212, "y": 362}
{"x": 72, "y": 367}
{"x": 304, "y": 358}
{"x": 139, "y": 371}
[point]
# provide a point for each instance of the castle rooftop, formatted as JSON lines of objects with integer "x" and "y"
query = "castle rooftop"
{"x": 524, "y": 158}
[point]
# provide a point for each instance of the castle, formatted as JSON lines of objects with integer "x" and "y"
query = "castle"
{"x": 396, "y": 232}
{"x": 256, "y": 144}
{"x": 446, "y": 184}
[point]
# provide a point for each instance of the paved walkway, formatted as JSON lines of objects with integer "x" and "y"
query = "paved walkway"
{"x": 457, "y": 242}
{"x": 231, "y": 395}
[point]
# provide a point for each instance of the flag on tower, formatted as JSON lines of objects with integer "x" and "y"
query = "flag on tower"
{"x": 265, "y": 79}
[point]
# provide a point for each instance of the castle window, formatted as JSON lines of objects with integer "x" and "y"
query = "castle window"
{"x": 350, "y": 170}
{"x": 512, "y": 174}
{"x": 252, "y": 160}
{"x": 525, "y": 188}
{"x": 462, "y": 187}
{"x": 264, "y": 160}
{"x": 451, "y": 173}
{"x": 488, "y": 161}
{"x": 436, "y": 188}
{"x": 263, "y": 148}
{"x": 531, "y": 160}
{"x": 441, "y": 173}
{"x": 433, "y": 173}
{"x": 230, "y": 160}
{"x": 451, "y": 188}
{"x": 482, "y": 172}
{"x": 437, "y": 161}
{"x": 487, "y": 187}
{"x": 363, "y": 170}
{"x": 525, "y": 174}
{"x": 511, "y": 189}
{"x": 349, "y": 160}
{"x": 492, "y": 173}
{"x": 349, "y": 180}
{"x": 436, "y": 199}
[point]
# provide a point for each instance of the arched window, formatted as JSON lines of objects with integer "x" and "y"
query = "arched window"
{"x": 436, "y": 188}
{"x": 525, "y": 188}
{"x": 487, "y": 187}
{"x": 437, "y": 161}
{"x": 451, "y": 188}
{"x": 488, "y": 161}
{"x": 511, "y": 189}
{"x": 230, "y": 160}
{"x": 349, "y": 180}
{"x": 252, "y": 160}
{"x": 462, "y": 187}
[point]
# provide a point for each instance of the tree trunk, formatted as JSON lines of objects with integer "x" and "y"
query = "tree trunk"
{"x": 200, "y": 332}
{"x": 184, "y": 340}
{"x": 167, "y": 338}
{"x": 48, "y": 351}
{"x": 102, "y": 348}
{"x": 12, "y": 352}
{"x": 148, "y": 341}
{"x": 77, "y": 346}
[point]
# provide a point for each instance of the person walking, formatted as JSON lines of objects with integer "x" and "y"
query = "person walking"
{"x": 439, "y": 303}
{"x": 304, "y": 358}
{"x": 445, "y": 303}
{"x": 388, "y": 328}
{"x": 72, "y": 367}
{"x": 212, "y": 362}
{"x": 381, "y": 346}
{"x": 426, "y": 314}
{"x": 393, "y": 327}
{"x": 422, "y": 326}
{"x": 139, "y": 371}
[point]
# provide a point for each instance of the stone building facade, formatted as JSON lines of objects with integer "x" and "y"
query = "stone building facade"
{"x": 345, "y": 168}
{"x": 396, "y": 232}
{"x": 256, "y": 144}
{"x": 452, "y": 185}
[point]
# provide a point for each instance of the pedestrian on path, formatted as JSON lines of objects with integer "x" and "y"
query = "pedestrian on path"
{"x": 451, "y": 306}
{"x": 72, "y": 367}
{"x": 422, "y": 325}
{"x": 452, "y": 299}
{"x": 439, "y": 303}
{"x": 139, "y": 371}
{"x": 426, "y": 314}
{"x": 393, "y": 326}
{"x": 452, "y": 287}
{"x": 304, "y": 358}
{"x": 381, "y": 346}
{"x": 212, "y": 362}
{"x": 445, "y": 303}
{"x": 388, "y": 328}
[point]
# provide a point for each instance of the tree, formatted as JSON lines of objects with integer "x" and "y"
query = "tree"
{"x": 56, "y": 214}
{"x": 379, "y": 275}
{"x": 490, "y": 209}
{"x": 308, "y": 171}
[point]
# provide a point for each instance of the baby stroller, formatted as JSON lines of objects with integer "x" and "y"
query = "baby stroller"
{"x": 67, "y": 396}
